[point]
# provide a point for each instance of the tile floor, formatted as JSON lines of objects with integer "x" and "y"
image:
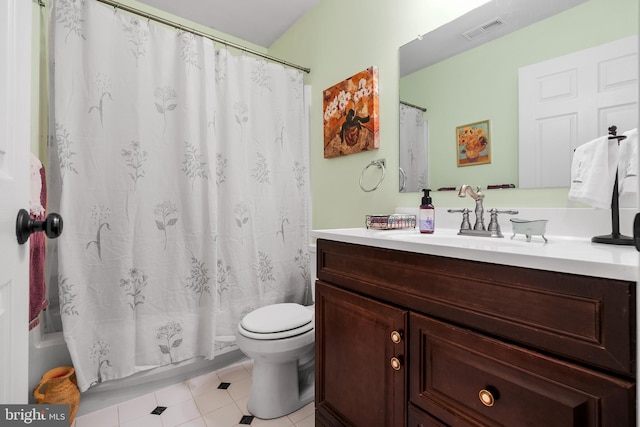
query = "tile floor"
{"x": 198, "y": 402}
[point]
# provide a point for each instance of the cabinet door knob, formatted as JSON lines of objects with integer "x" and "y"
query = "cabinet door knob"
{"x": 396, "y": 336}
{"x": 488, "y": 396}
{"x": 396, "y": 364}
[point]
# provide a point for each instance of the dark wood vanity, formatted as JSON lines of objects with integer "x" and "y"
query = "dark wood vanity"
{"x": 420, "y": 340}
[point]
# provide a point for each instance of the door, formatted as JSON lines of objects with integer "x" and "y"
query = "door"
{"x": 567, "y": 101}
{"x": 360, "y": 360}
{"x": 15, "y": 111}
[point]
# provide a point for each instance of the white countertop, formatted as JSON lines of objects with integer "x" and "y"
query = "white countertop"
{"x": 562, "y": 254}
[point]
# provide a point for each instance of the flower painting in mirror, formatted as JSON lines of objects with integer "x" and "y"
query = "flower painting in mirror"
{"x": 351, "y": 122}
{"x": 473, "y": 143}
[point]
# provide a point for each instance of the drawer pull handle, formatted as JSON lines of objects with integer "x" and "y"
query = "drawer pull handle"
{"x": 396, "y": 364}
{"x": 488, "y": 396}
{"x": 396, "y": 336}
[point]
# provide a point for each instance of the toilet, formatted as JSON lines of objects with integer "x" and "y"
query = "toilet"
{"x": 280, "y": 340}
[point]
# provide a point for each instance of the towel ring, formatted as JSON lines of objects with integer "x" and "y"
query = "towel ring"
{"x": 380, "y": 164}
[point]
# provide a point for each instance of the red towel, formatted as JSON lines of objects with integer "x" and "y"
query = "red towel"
{"x": 37, "y": 287}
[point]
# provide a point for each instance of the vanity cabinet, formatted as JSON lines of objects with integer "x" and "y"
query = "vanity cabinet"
{"x": 404, "y": 338}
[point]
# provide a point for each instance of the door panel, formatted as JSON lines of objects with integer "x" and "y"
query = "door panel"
{"x": 355, "y": 382}
{"x": 15, "y": 96}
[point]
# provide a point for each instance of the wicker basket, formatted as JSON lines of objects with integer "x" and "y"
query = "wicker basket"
{"x": 58, "y": 386}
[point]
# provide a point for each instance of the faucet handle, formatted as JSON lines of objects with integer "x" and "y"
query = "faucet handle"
{"x": 494, "y": 227}
{"x": 466, "y": 225}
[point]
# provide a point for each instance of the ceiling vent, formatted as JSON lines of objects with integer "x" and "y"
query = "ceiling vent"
{"x": 494, "y": 24}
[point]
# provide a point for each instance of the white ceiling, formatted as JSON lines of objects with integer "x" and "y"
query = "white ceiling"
{"x": 447, "y": 40}
{"x": 257, "y": 21}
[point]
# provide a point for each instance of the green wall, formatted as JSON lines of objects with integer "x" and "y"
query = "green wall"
{"x": 336, "y": 39}
{"x": 483, "y": 84}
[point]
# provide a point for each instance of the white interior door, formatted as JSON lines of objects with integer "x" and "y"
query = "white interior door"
{"x": 15, "y": 111}
{"x": 567, "y": 101}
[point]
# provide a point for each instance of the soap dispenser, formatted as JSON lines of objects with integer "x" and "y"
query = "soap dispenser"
{"x": 426, "y": 214}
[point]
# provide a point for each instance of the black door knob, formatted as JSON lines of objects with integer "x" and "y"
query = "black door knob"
{"x": 25, "y": 225}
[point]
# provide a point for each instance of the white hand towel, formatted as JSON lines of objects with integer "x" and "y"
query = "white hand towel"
{"x": 593, "y": 172}
{"x": 628, "y": 163}
{"x": 36, "y": 187}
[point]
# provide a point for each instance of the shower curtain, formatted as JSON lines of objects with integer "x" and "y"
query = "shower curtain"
{"x": 413, "y": 149}
{"x": 181, "y": 172}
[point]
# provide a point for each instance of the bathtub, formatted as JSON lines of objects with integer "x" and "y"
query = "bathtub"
{"x": 48, "y": 350}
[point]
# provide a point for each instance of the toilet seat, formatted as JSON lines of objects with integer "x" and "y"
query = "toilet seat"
{"x": 277, "y": 321}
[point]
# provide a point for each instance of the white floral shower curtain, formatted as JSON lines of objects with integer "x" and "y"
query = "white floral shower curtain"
{"x": 413, "y": 149}
{"x": 181, "y": 174}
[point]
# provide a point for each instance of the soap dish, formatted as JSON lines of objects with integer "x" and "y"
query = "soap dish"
{"x": 390, "y": 222}
{"x": 529, "y": 227}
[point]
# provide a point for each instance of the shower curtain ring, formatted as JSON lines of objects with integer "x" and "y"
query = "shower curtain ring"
{"x": 380, "y": 164}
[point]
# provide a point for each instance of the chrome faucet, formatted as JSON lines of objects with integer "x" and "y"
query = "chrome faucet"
{"x": 478, "y": 196}
{"x": 479, "y": 228}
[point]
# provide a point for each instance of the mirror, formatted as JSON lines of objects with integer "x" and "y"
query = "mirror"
{"x": 466, "y": 72}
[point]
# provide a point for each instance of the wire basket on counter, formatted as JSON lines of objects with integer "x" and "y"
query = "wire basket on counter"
{"x": 390, "y": 222}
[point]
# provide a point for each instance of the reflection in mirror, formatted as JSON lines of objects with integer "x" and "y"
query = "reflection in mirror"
{"x": 567, "y": 101}
{"x": 473, "y": 78}
{"x": 413, "y": 148}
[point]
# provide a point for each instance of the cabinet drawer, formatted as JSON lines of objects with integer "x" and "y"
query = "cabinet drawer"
{"x": 417, "y": 418}
{"x": 454, "y": 370}
{"x": 587, "y": 319}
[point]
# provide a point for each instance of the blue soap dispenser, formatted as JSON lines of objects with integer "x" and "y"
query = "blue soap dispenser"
{"x": 427, "y": 214}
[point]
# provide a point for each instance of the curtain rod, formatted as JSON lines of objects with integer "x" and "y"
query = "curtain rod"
{"x": 156, "y": 18}
{"x": 424, "y": 110}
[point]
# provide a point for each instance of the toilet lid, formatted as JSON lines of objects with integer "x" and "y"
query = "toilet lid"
{"x": 277, "y": 318}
